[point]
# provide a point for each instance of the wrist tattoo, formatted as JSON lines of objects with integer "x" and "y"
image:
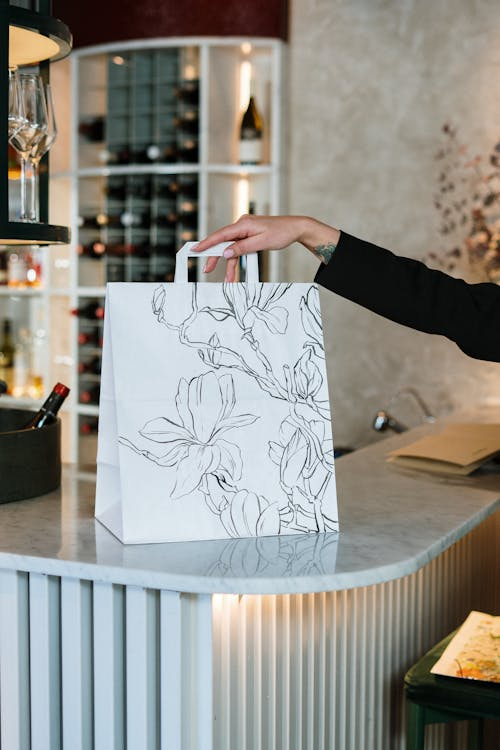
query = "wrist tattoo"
{"x": 325, "y": 252}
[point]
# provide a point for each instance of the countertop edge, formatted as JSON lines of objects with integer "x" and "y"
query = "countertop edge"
{"x": 152, "y": 579}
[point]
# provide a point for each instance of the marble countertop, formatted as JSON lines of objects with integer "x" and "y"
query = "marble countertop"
{"x": 392, "y": 522}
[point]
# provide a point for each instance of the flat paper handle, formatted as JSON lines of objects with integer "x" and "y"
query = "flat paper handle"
{"x": 186, "y": 251}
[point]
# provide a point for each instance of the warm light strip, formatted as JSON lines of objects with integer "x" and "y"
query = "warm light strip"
{"x": 245, "y": 78}
{"x": 28, "y": 242}
{"x": 242, "y": 197}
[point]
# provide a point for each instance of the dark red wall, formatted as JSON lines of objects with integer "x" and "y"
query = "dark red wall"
{"x": 101, "y": 21}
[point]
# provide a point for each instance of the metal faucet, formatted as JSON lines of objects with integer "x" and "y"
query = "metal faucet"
{"x": 385, "y": 421}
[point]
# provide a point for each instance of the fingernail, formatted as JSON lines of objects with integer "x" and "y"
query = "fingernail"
{"x": 229, "y": 253}
{"x": 205, "y": 268}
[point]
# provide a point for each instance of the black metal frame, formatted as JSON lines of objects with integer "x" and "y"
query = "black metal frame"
{"x": 23, "y": 232}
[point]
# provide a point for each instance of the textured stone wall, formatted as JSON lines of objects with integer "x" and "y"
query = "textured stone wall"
{"x": 371, "y": 84}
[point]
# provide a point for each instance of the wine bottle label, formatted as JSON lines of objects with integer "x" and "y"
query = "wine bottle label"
{"x": 250, "y": 151}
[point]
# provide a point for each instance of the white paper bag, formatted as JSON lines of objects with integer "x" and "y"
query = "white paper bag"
{"x": 214, "y": 417}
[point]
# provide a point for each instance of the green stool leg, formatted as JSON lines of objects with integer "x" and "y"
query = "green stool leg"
{"x": 475, "y": 735}
{"x": 415, "y": 735}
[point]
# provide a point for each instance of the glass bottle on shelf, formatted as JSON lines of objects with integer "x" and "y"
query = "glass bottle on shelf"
{"x": 20, "y": 369}
{"x": 91, "y": 338}
{"x": 250, "y": 149}
{"x": 3, "y": 268}
{"x": 90, "y": 310}
{"x": 36, "y": 364}
{"x": 92, "y": 129}
{"x": 89, "y": 426}
{"x": 91, "y": 366}
{"x": 33, "y": 267}
{"x": 7, "y": 352}
{"x": 16, "y": 269}
{"x": 90, "y": 395}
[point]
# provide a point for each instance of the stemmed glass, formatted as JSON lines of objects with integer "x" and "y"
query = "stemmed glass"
{"x": 33, "y": 115}
{"x": 16, "y": 118}
{"x": 39, "y": 148}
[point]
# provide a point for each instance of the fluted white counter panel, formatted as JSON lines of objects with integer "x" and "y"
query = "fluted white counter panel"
{"x": 95, "y": 665}
{"x": 275, "y": 655}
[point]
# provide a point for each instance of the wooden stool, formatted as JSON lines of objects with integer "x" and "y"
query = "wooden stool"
{"x": 434, "y": 699}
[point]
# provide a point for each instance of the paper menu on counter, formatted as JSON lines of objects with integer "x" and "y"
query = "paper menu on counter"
{"x": 474, "y": 651}
{"x": 457, "y": 449}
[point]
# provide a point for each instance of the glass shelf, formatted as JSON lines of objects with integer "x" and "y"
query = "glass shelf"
{"x": 25, "y": 233}
{"x": 34, "y": 37}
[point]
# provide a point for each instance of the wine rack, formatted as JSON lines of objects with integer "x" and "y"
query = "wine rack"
{"x": 154, "y": 164}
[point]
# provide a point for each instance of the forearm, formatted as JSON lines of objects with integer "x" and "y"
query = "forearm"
{"x": 319, "y": 238}
{"x": 407, "y": 292}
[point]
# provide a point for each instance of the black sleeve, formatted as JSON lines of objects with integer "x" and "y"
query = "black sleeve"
{"x": 406, "y": 291}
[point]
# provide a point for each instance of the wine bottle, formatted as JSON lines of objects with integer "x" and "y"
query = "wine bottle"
{"x": 3, "y": 268}
{"x": 167, "y": 188}
{"x": 90, "y": 395}
{"x": 116, "y": 190}
{"x": 188, "y": 216}
{"x": 7, "y": 351}
{"x": 33, "y": 267}
{"x": 92, "y": 129}
{"x": 115, "y": 269}
{"x": 96, "y": 221}
{"x": 91, "y": 366}
{"x": 90, "y": 310}
{"x": 187, "y": 150}
{"x": 189, "y": 91}
{"x": 139, "y": 156}
{"x": 140, "y": 188}
{"x": 166, "y": 219}
{"x": 188, "y": 189}
{"x": 90, "y": 338}
{"x": 115, "y": 155}
{"x": 251, "y": 132}
{"x": 121, "y": 249}
{"x": 47, "y": 414}
{"x": 89, "y": 427}
{"x": 3, "y": 387}
{"x": 187, "y": 235}
{"x": 16, "y": 269}
{"x": 187, "y": 121}
{"x": 168, "y": 153}
{"x": 94, "y": 250}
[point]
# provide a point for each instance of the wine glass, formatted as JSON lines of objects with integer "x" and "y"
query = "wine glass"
{"x": 39, "y": 148}
{"x": 33, "y": 110}
{"x": 16, "y": 117}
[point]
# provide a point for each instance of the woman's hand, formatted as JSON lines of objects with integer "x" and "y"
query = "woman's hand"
{"x": 251, "y": 234}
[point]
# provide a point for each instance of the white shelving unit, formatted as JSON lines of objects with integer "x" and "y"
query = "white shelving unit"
{"x": 223, "y": 67}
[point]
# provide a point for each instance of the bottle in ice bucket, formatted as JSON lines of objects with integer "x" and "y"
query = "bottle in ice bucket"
{"x": 47, "y": 414}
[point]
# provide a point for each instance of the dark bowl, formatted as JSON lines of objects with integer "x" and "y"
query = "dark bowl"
{"x": 30, "y": 460}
